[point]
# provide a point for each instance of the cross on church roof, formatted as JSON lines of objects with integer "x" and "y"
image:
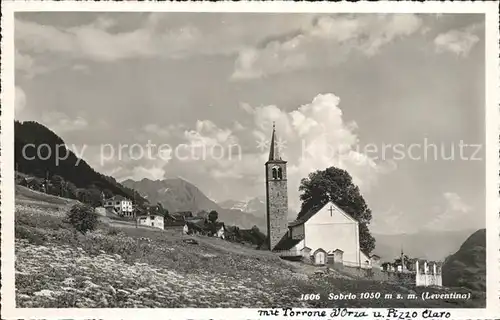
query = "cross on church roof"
{"x": 331, "y": 210}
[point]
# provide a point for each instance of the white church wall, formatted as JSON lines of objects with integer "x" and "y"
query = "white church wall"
{"x": 334, "y": 236}
{"x": 332, "y": 230}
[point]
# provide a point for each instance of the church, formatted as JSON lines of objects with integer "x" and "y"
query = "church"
{"x": 324, "y": 235}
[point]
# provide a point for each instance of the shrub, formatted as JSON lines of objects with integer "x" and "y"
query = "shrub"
{"x": 113, "y": 231}
{"x": 213, "y": 216}
{"x": 82, "y": 217}
{"x": 33, "y": 235}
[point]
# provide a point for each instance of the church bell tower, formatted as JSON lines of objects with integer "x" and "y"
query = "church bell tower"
{"x": 276, "y": 194}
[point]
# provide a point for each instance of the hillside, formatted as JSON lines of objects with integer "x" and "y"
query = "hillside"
{"x": 467, "y": 267}
{"x": 179, "y": 195}
{"x": 120, "y": 266}
{"x": 68, "y": 166}
{"x": 431, "y": 245}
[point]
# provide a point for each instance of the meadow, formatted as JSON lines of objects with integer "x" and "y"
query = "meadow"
{"x": 121, "y": 266}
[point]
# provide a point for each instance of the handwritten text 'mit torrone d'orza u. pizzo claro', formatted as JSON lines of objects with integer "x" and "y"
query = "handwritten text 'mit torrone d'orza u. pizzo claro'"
{"x": 344, "y": 312}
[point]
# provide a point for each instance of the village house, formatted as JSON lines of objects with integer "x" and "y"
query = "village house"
{"x": 155, "y": 221}
{"x": 121, "y": 205}
{"x": 182, "y": 215}
{"x": 197, "y": 225}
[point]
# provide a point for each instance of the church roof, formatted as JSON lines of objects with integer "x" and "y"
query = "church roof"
{"x": 274, "y": 152}
{"x": 286, "y": 243}
{"x": 304, "y": 217}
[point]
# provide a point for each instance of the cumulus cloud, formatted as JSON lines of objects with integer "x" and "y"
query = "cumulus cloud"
{"x": 452, "y": 208}
{"x": 20, "y": 100}
{"x": 265, "y": 44}
{"x": 96, "y": 42}
{"x": 318, "y": 137}
{"x": 325, "y": 41}
{"x": 27, "y": 66}
{"x": 455, "y": 203}
{"x": 81, "y": 68}
{"x": 315, "y": 136}
{"x": 60, "y": 122}
{"x": 210, "y": 143}
{"x": 459, "y": 42}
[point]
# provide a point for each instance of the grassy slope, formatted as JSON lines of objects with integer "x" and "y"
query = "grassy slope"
{"x": 115, "y": 266}
{"x": 467, "y": 267}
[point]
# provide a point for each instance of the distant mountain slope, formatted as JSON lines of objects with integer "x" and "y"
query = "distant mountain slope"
{"x": 431, "y": 245}
{"x": 467, "y": 267}
{"x": 179, "y": 195}
{"x": 82, "y": 175}
{"x": 256, "y": 206}
{"x": 174, "y": 194}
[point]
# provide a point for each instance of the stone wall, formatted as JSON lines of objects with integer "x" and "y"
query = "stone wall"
{"x": 277, "y": 205}
{"x": 375, "y": 274}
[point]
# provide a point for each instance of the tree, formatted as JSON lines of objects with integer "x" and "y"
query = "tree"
{"x": 83, "y": 195}
{"x": 95, "y": 197}
{"x": 408, "y": 262}
{"x": 202, "y": 214}
{"x": 162, "y": 211}
{"x": 213, "y": 216}
{"x": 58, "y": 184}
{"x": 82, "y": 217}
{"x": 71, "y": 189}
{"x": 107, "y": 193}
{"x": 333, "y": 184}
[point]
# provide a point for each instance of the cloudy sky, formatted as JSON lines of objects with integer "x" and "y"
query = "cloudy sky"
{"x": 341, "y": 88}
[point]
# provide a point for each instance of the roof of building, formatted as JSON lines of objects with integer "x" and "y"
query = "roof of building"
{"x": 34, "y": 179}
{"x": 304, "y": 217}
{"x": 286, "y": 243}
{"x": 117, "y": 198}
{"x": 182, "y": 214}
{"x": 274, "y": 152}
{"x": 319, "y": 250}
{"x": 149, "y": 215}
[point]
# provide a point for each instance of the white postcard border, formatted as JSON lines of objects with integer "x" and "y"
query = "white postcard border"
{"x": 490, "y": 9}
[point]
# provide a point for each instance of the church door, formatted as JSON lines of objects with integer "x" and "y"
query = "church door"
{"x": 320, "y": 258}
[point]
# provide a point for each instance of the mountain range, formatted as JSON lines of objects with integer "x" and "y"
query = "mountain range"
{"x": 425, "y": 244}
{"x": 36, "y": 150}
{"x": 251, "y": 206}
{"x": 176, "y": 194}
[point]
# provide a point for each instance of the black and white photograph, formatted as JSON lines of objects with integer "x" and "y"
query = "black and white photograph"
{"x": 255, "y": 159}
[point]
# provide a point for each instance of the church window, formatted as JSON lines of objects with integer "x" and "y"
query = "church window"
{"x": 275, "y": 173}
{"x": 280, "y": 173}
